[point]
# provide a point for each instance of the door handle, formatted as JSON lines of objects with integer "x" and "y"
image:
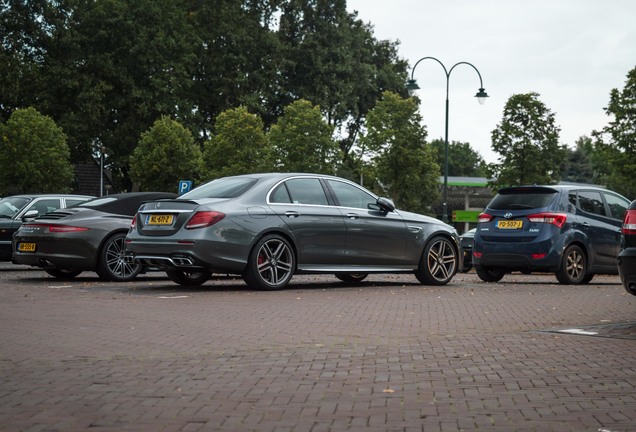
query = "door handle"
{"x": 352, "y": 215}
{"x": 292, "y": 214}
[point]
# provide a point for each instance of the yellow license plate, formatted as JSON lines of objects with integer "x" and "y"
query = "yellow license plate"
{"x": 510, "y": 224}
{"x": 26, "y": 247}
{"x": 159, "y": 219}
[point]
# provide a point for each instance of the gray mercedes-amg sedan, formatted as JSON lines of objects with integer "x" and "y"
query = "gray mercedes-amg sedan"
{"x": 268, "y": 227}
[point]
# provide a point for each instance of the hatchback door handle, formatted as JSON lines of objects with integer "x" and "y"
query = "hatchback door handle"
{"x": 292, "y": 214}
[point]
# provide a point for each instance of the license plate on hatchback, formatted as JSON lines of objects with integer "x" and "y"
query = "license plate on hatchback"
{"x": 510, "y": 224}
{"x": 159, "y": 219}
{"x": 26, "y": 247}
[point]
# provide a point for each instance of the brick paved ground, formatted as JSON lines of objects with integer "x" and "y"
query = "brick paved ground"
{"x": 390, "y": 355}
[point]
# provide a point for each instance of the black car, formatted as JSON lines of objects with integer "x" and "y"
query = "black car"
{"x": 627, "y": 257}
{"x": 16, "y": 209}
{"x": 573, "y": 231}
{"x": 467, "y": 239}
{"x": 87, "y": 237}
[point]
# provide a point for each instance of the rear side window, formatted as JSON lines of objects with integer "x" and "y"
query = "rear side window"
{"x": 522, "y": 199}
{"x": 592, "y": 202}
{"x": 306, "y": 191}
{"x": 617, "y": 205}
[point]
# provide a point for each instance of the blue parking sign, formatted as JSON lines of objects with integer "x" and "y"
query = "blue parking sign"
{"x": 184, "y": 186}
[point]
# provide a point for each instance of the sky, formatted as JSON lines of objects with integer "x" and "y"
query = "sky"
{"x": 571, "y": 52}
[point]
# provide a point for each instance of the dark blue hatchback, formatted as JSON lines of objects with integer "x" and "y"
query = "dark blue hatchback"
{"x": 572, "y": 231}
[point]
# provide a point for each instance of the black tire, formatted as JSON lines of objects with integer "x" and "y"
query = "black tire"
{"x": 352, "y": 277}
{"x": 189, "y": 278}
{"x": 271, "y": 264}
{"x": 63, "y": 274}
{"x": 573, "y": 269}
{"x": 111, "y": 265}
{"x": 490, "y": 274}
{"x": 439, "y": 262}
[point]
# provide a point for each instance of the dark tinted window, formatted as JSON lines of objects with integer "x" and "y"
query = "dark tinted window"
{"x": 306, "y": 191}
{"x": 522, "y": 199}
{"x": 229, "y": 187}
{"x": 280, "y": 195}
{"x": 591, "y": 202}
{"x": 351, "y": 196}
{"x": 617, "y": 205}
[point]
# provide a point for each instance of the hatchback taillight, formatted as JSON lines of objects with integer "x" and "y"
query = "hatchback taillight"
{"x": 204, "y": 219}
{"x": 484, "y": 218}
{"x": 629, "y": 223}
{"x": 557, "y": 219}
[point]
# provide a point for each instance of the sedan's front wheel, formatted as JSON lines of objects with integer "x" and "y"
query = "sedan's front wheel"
{"x": 439, "y": 262}
{"x": 271, "y": 264}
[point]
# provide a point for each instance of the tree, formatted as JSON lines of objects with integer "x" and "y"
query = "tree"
{"x": 578, "y": 166}
{"x": 617, "y": 140}
{"x": 527, "y": 140}
{"x": 462, "y": 159}
{"x": 111, "y": 69}
{"x": 303, "y": 140}
{"x": 238, "y": 145}
{"x": 166, "y": 153}
{"x": 333, "y": 60}
{"x": 396, "y": 142}
{"x": 34, "y": 155}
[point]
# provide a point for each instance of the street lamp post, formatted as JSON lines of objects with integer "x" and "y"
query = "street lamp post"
{"x": 481, "y": 96}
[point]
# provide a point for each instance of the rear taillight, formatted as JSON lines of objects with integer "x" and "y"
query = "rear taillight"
{"x": 65, "y": 229}
{"x": 557, "y": 219}
{"x": 484, "y": 217}
{"x": 204, "y": 219}
{"x": 629, "y": 222}
{"x": 133, "y": 222}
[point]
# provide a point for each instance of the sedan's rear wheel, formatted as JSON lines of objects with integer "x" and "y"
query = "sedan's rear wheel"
{"x": 573, "y": 269}
{"x": 189, "y": 278}
{"x": 63, "y": 274}
{"x": 490, "y": 274}
{"x": 271, "y": 264}
{"x": 439, "y": 262}
{"x": 111, "y": 265}
{"x": 352, "y": 277}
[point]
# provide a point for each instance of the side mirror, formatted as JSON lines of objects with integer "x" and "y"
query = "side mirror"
{"x": 386, "y": 204}
{"x": 31, "y": 214}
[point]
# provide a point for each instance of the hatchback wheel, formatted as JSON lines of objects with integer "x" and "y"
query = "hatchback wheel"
{"x": 189, "y": 278}
{"x": 63, "y": 274}
{"x": 490, "y": 274}
{"x": 111, "y": 265}
{"x": 271, "y": 264}
{"x": 573, "y": 269}
{"x": 352, "y": 277}
{"x": 439, "y": 262}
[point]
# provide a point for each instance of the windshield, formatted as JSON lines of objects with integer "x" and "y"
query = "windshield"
{"x": 10, "y": 206}
{"x": 229, "y": 187}
{"x": 97, "y": 202}
{"x": 522, "y": 199}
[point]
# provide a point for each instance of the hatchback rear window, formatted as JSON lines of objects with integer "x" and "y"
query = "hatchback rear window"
{"x": 511, "y": 199}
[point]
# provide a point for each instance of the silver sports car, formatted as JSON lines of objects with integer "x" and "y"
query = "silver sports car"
{"x": 86, "y": 237}
{"x": 268, "y": 227}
